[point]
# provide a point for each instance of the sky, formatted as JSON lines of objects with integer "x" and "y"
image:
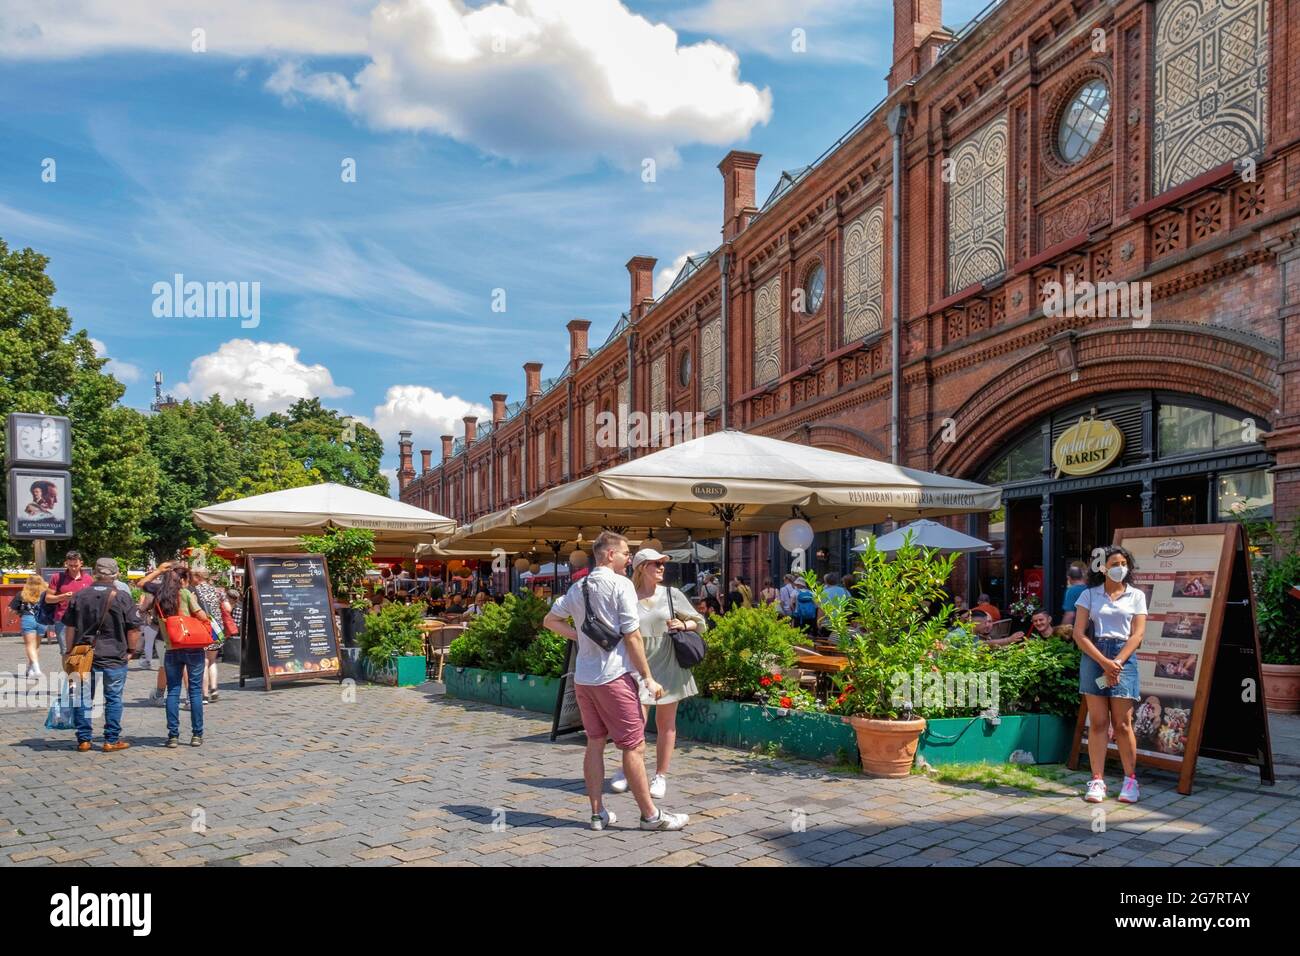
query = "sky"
{"x": 412, "y": 196}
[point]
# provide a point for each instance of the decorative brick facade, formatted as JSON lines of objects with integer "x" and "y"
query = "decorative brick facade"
{"x": 981, "y": 361}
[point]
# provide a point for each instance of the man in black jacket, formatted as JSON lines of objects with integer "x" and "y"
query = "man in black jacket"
{"x": 105, "y": 618}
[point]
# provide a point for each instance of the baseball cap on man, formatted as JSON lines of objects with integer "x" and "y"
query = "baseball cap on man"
{"x": 105, "y": 568}
{"x": 647, "y": 554}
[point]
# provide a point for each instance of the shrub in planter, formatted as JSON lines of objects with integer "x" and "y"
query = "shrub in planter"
{"x": 745, "y": 645}
{"x": 1038, "y": 676}
{"x": 392, "y": 631}
{"x": 544, "y": 657}
{"x": 1275, "y": 567}
{"x": 509, "y": 637}
{"x": 466, "y": 651}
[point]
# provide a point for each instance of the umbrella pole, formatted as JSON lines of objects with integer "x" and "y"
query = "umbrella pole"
{"x": 723, "y": 592}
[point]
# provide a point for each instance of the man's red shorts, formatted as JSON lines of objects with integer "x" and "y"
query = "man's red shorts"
{"x": 612, "y": 710}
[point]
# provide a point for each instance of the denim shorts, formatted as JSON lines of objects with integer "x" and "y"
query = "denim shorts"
{"x": 30, "y": 626}
{"x": 1090, "y": 670}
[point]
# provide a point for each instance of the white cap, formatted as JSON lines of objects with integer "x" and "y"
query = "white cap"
{"x": 647, "y": 554}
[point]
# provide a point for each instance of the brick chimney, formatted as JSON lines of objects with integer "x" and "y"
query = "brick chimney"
{"x": 405, "y": 470}
{"x": 426, "y": 458}
{"x": 578, "y": 350}
{"x": 447, "y": 442}
{"x": 532, "y": 380}
{"x": 498, "y": 408}
{"x": 738, "y": 207}
{"x": 642, "y": 271}
{"x": 918, "y": 35}
{"x": 471, "y": 429}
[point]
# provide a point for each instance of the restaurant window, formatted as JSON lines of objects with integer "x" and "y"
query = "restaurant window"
{"x": 1246, "y": 491}
{"x": 1023, "y": 463}
{"x": 1183, "y": 430}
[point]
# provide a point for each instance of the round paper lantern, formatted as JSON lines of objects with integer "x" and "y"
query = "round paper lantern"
{"x": 653, "y": 543}
{"x": 796, "y": 534}
{"x": 578, "y": 559}
{"x": 522, "y": 564}
{"x": 534, "y": 568}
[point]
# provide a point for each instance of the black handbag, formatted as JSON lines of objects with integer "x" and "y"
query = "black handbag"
{"x": 688, "y": 646}
{"x": 602, "y": 634}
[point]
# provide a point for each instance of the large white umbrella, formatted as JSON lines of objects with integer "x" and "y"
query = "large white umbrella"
{"x": 929, "y": 534}
{"x": 312, "y": 509}
{"x": 693, "y": 555}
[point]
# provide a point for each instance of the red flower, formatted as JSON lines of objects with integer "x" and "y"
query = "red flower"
{"x": 786, "y": 702}
{"x": 765, "y": 682}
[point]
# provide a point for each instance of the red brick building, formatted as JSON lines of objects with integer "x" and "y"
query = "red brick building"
{"x": 1069, "y": 142}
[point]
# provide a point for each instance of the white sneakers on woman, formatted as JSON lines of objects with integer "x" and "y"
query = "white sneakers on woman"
{"x": 658, "y": 785}
{"x": 1096, "y": 790}
{"x": 34, "y": 672}
{"x": 1129, "y": 792}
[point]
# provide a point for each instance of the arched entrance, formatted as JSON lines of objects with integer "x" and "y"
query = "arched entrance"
{"x": 1125, "y": 459}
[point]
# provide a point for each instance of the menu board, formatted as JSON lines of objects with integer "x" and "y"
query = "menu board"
{"x": 292, "y": 616}
{"x": 567, "y": 718}
{"x": 1199, "y": 675}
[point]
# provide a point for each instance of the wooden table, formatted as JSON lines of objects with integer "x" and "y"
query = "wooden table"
{"x": 823, "y": 665}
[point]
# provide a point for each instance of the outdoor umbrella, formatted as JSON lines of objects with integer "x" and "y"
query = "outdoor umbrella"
{"x": 689, "y": 556}
{"x": 312, "y": 509}
{"x": 929, "y": 534}
{"x": 737, "y": 482}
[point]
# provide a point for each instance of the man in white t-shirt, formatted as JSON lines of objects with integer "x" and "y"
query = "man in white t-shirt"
{"x": 605, "y": 682}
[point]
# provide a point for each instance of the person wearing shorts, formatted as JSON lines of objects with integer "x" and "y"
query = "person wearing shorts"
{"x": 605, "y": 681}
{"x": 27, "y": 605}
{"x": 1108, "y": 669}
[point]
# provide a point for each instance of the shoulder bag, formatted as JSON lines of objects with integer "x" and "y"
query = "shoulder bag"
{"x": 688, "y": 646}
{"x": 605, "y": 637}
{"x": 81, "y": 657}
{"x": 186, "y": 633}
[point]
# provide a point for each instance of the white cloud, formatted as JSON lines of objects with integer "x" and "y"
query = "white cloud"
{"x": 525, "y": 76}
{"x": 40, "y": 29}
{"x": 124, "y": 372}
{"x": 426, "y": 413}
{"x": 665, "y": 276}
{"x": 267, "y": 374}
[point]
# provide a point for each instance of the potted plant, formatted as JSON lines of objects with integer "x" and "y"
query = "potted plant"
{"x": 894, "y": 624}
{"x": 745, "y": 645}
{"x": 393, "y": 643}
{"x": 348, "y": 554}
{"x": 1275, "y": 569}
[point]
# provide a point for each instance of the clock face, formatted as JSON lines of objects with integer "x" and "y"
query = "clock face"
{"x": 41, "y": 440}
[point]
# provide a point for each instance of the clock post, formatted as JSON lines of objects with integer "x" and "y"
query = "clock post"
{"x": 38, "y": 454}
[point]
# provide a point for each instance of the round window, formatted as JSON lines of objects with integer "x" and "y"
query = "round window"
{"x": 1083, "y": 121}
{"x": 814, "y": 289}
{"x": 684, "y": 368}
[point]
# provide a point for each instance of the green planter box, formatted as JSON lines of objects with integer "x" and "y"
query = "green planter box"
{"x": 410, "y": 671}
{"x": 473, "y": 683}
{"x": 975, "y": 740}
{"x": 749, "y": 726}
{"x": 529, "y": 692}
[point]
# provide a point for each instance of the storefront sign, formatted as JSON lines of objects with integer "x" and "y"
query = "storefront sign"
{"x": 1087, "y": 447}
{"x": 291, "y": 618}
{"x": 1200, "y": 683}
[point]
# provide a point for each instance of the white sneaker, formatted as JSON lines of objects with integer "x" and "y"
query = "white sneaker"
{"x": 605, "y": 818}
{"x": 1129, "y": 792}
{"x": 157, "y": 697}
{"x": 659, "y": 786}
{"x": 666, "y": 821}
{"x": 620, "y": 783}
{"x": 1096, "y": 790}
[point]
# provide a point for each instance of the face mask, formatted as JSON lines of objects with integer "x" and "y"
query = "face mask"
{"x": 1117, "y": 573}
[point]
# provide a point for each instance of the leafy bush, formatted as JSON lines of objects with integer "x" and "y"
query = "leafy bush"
{"x": 1038, "y": 676}
{"x": 509, "y": 637}
{"x": 393, "y": 629}
{"x": 745, "y": 645}
{"x": 1275, "y": 567}
{"x": 347, "y": 552}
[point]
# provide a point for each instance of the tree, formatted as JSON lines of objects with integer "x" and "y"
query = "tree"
{"x": 339, "y": 449}
{"x": 46, "y": 367}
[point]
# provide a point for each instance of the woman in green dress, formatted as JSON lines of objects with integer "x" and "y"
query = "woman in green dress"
{"x": 662, "y": 609}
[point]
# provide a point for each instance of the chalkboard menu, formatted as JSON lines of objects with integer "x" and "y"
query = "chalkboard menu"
{"x": 567, "y": 719}
{"x": 1199, "y": 661}
{"x": 290, "y": 611}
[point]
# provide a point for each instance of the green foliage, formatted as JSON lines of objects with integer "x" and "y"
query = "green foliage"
{"x": 348, "y": 552}
{"x": 1038, "y": 676}
{"x": 1275, "y": 568}
{"x": 784, "y": 691}
{"x": 46, "y": 367}
{"x": 745, "y": 645}
{"x": 509, "y": 637}
{"x": 393, "y": 629}
{"x": 327, "y": 443}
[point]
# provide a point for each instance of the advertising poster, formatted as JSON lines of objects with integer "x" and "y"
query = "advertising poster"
{"x": 40, "y": 504}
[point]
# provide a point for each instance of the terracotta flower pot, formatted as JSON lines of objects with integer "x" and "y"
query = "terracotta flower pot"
{"x": 1282, "y": 688}
{"x": 887, "y": 747}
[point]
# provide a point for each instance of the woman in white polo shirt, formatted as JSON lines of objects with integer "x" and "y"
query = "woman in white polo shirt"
{"x": 1108, "y": 671}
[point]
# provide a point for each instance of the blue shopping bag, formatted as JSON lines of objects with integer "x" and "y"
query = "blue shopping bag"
{"x": 60, "y": 716}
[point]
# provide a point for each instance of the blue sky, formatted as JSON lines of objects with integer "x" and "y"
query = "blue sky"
{"x": 519, "y": 171}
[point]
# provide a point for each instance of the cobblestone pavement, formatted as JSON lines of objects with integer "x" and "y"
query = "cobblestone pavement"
{"x": 302, "y": 776}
